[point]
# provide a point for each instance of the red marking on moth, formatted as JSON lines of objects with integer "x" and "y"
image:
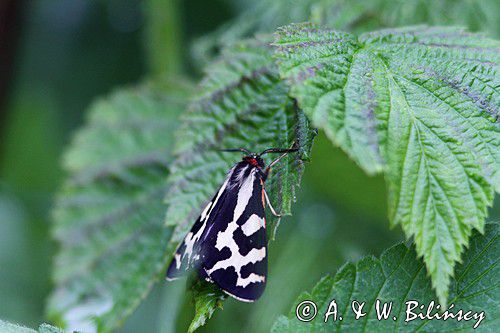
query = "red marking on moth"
{"x": 253, "y": 162}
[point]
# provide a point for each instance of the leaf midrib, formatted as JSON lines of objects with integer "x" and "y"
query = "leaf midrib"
{"x": 415, "y": 118}
{"x": 423, "y": 154}
{"x": 471, "y": 124}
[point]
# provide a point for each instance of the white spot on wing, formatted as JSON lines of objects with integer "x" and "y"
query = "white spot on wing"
{"x": 252, "y": 225}
{"x": 177, "y": 258}
{"x": 252, "y": 278}
{"x": 189, "y": 241}
{"x": 205, "y": 211}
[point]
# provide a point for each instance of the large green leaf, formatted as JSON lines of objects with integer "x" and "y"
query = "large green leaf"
{"x": 109, "y": 213}
{"x": 398, "y": 277}
{"x": 241, "y": 103}
{"x": 421, "y": 103}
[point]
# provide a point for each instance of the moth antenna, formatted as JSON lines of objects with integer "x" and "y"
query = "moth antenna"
{"x": 280, "y": 150}
{"x": 243, "y": 150}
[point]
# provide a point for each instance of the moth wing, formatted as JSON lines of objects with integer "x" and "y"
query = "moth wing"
{"x": 189, "y": 253}
{"x": 236, "y": 247}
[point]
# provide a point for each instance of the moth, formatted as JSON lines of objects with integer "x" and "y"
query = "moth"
{"x": 228, "y": 244}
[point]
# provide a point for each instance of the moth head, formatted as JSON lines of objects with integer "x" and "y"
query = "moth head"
{"x": 254, "y": 160}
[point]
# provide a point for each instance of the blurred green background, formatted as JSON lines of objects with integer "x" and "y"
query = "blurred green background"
{"x": 57, "y": 56}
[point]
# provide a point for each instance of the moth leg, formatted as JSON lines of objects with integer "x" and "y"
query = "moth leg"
{"x": 268, "y": 169}
{"x": 269, "y": 204}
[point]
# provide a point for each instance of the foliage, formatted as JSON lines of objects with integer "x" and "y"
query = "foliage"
{"x": 108, "y": 215}
{"x": 207, "y": 298}
{"x": 476, "y": 15}
{"x": 241, "y": 103}
{"x": 398, "y": 277}
{"x": 6, "y": 327}
{"x": 265, "y": 16}
{"x": 421, "y": 104}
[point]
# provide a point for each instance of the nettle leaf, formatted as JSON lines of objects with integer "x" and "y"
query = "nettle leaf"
{"x": 360, "y": 15}
{"x": 420, "y": 103}
{"x": 207, "y": 298}
{"x": 132, "y": 123}
{"x": 265, "y": 16}
{"x": 399, "y": 277}
{"x": 46, "y": 328}
{"x": 6, "y": 327}
{"x": 262, "y": 16}
{"x": 108, "y": 216}
{"x": 476, "y": 15}
{"x": 241, "y": 103}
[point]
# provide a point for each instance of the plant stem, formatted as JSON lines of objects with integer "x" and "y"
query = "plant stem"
{"x": 163, "y": 37}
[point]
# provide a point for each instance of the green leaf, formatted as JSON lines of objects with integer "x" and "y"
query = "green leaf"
{"x": 241, "y": 103}
{"x": 6, "y": 327}
{"x": 108, "y": 216}
{"x": 361, "y": 15}
{"x": 399, "y": 277}
{"x": 207, "y": 298}
{"x": 476, "y": 15}
{"x": 264, "y": 16}
{"x": 46, "y": 328}
{"x": 420, "y": 103}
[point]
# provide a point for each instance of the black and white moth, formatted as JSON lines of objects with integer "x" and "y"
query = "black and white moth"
{"x": 228, "y": 242}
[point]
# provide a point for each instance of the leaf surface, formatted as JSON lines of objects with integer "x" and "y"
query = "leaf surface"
{"x": 421, "y": 104}
{"x": 241, "y": 102}
{"x": 6, "y": 327}
{"x": 108, "y": 218}
{"x": 207, "y": 298}
{"x": 264, "y": 16}
{"x": 398, "y": 277}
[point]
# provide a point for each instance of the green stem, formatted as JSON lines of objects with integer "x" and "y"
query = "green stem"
{"x": 163, "y": 37}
